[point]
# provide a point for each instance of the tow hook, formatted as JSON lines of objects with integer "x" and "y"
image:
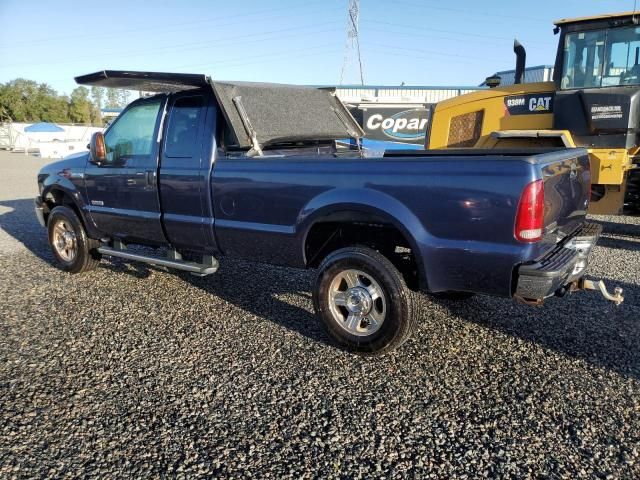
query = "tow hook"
{"x": 585, "y": 284}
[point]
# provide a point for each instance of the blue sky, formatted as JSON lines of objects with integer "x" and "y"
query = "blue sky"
{"x": 419, "y": 42}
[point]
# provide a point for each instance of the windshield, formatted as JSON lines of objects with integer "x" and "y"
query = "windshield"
{"x": 601, "y": 58}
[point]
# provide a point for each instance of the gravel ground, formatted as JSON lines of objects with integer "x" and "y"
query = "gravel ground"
{"x": 132, "y": 371}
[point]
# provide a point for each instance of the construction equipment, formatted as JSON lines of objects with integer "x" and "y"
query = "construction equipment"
{"x": 593, "y": 102}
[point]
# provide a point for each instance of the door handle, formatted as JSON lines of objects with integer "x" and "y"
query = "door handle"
{"x": 137, "y": 180}
{"x": 151, "y": 177}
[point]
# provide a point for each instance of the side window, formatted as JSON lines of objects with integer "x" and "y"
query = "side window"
{"x": 583, "y": 54}
{"x": 132, "y": 133}
{"x": 182, "y": 130}
{"x": 623, "y": 66}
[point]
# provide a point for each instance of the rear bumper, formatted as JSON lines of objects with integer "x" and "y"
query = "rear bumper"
{"x": 38, "y": 205}
{"x": 554, "y": 272}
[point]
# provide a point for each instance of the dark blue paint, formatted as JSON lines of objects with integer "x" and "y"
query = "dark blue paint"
{"x": 187, "y": 217}
{"x": 456, "y": 212}
{"x": 128, "y": 206}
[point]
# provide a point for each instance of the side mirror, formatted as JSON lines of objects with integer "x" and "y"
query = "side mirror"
{"x": 97, "y": 149}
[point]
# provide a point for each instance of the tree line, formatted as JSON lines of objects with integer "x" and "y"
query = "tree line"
{"x": 29, "y": 101}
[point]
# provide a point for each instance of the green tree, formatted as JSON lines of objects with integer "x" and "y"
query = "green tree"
{"x": 28, "y": 101}
{"x": 80, "y": 108}
{"x": 97, "y": 95}
{"x": 16, "y": 97}
{"x": 124, "y": 98}
{"x": 113, "y": 98}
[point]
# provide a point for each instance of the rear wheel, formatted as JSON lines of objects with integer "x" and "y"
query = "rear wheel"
{"x": 73, "y": 250}
{"x": 363, "y": 301}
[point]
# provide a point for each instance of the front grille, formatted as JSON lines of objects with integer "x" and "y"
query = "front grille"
{"x": 465, "y": 130}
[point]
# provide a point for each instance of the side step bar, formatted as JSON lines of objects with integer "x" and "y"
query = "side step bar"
{"x": 209, "y": 265}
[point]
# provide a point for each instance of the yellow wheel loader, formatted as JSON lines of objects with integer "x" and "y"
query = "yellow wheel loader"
{"x": 593, "y": 102}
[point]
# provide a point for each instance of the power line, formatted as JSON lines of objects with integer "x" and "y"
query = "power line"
{"x": 160, "y": 27}
{"x": 449, "y": 39}
{"x": 453, "y": 32}
{"x": 267, "y": 35}
{"x": 267, "y": 57}
{"x": 466, "y": 58}
{"x": 280, "y": 55}
{"x": 438, "y": 6}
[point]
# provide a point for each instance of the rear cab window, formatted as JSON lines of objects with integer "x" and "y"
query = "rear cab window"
{"x": 182, "y": 128}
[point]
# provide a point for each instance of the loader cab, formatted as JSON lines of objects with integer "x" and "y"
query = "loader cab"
{"x": 597, "y": 77}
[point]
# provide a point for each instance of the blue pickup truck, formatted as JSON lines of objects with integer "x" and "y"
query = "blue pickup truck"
{"x": 258, "y": 171}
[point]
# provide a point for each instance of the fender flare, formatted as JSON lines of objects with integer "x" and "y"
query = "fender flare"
{"x": 60, "y": 183}
{"x": 373, "y": 202}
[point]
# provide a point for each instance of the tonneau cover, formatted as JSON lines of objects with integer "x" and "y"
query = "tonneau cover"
{"x": 285, "y": 112}
{"x": 271, "y": 113}
{"x": 144, "y": 81}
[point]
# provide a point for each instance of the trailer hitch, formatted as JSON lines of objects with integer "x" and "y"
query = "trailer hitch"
{"x": 577, "y": 286}
{"x": 598, "y": 285}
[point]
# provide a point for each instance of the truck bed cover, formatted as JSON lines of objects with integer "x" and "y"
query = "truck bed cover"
{"x": 275, "y": 112}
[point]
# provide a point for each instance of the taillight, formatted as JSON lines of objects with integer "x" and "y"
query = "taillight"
{"x": 530, "y": 216}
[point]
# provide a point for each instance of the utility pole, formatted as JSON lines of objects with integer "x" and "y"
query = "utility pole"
{"x": 352, "y": 48}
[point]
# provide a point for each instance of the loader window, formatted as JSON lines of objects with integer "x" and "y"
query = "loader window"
{"x": 583, "y": 52}
{"x": 601, "y": 58}
{"x": 623, "y": 49}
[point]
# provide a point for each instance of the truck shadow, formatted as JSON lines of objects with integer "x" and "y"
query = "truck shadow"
{"x": 613, "y": 231}
{"x": 616, "y": 228}
{"x": 618, "y": 243}
{"x": 278, "y": 294}
{"x": 584, "y": 326}
{"x": 18, "y": 219}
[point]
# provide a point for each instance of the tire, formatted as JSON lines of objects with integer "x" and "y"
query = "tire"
{"x": 74, "y": 252}
{"x": 632, "y": 197}
{"x": 453, "y": 296}
{"x": 373, "y": 324}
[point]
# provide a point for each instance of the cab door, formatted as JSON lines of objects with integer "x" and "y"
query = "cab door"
{"x": 122, "y": 191}
{"x": 185, "y": 169}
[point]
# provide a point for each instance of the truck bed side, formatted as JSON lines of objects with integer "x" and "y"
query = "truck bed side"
{"x": 457, "y": 214}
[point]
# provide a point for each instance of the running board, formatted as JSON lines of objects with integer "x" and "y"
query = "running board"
{"x": 209, "y": 266}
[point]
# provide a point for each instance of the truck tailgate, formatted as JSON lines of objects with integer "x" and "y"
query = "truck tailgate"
{"x": 567, "y": 189}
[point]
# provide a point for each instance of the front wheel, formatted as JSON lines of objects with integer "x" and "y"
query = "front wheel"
{"x": 73, "y": 250}
{"x": 363, "y": 301}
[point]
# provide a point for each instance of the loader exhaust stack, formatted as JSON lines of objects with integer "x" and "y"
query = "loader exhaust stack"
{"x": 521, "y": 59}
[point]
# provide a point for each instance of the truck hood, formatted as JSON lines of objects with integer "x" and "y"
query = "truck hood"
{"x": 74, "y": 161}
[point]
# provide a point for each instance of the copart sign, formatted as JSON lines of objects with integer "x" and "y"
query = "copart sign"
{"x": 396, "y": 124}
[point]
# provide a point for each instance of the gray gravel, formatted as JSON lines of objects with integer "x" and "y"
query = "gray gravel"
{"x": 131, "y": 371}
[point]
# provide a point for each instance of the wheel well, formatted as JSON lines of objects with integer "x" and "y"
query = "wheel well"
{"x": 57, "y": 198}
{"x": 348, "y": 229}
